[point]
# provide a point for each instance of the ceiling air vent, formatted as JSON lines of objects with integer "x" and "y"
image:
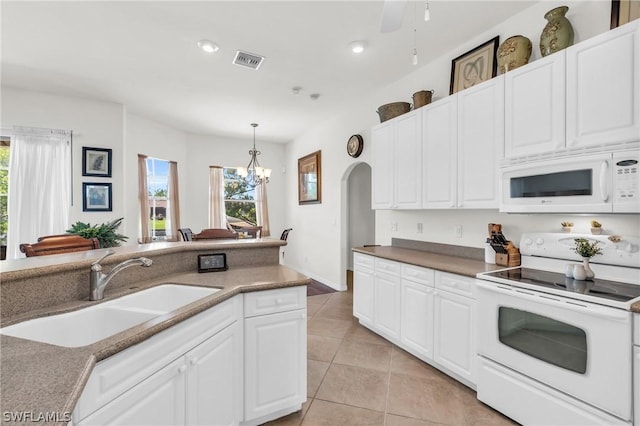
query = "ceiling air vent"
{"x": 248, "y": 60}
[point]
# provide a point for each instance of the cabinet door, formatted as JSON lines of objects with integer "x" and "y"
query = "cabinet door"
{"x": 158, "y": 400}
{"x": 408, "y": 161}
{"x": 440, "y": 154}
{"x": 363, "y": 295}
{"x": 214, "y": 379}
{"x": 382, "y": 170}
{"x": 387, "y": 305}
{"x": 535, "y": 107}
{"x": 636, "y": 384}
{"x": 480, "y": 143}
{"x": 454, "y": 334}
{"x": 416, "y": 323}
{"x": 603, "y": 88}
{"x": 275, "y": 362}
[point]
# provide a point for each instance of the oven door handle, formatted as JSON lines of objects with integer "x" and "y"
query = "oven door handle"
{"x": 549, "y": 300}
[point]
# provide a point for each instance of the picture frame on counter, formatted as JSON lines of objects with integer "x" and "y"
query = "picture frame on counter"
{"x": 624, "y": 11}
{"x": 96, "y": 197}
{"x": 475, "y": 66}
{"x": 310, "y": 179}
{"x": 96, "y": 162}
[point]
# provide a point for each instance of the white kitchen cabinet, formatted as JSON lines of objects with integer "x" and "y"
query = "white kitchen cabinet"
{"x": 417, "y": 310}
{"x": 440, "y": 154}
{"x": 275, "y": 354}
{"x": 603, "y": 88}
{"x": 158, "y": 400}
{"x": 363, "y": 288}
{"x": 382, "y": 179}
{"x": 636, "y": 368}
{"x": 535, "y": 107}
{"x": 386, "y": 298}
{"x": 214, "y": 379}
{"x": 455, "y": 346}
{"x": 480, "y": 143}
{"x": 397, "y": 163}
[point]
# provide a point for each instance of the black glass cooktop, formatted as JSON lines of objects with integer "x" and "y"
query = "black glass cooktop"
{"x": 612, "y": 290}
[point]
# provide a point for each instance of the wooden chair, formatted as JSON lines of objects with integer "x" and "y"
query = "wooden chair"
{"x": 54, "y": 244}
{"x": 186, "y": 233}
{"x": 215, "y": 234}
{"x": 285, "y": 234}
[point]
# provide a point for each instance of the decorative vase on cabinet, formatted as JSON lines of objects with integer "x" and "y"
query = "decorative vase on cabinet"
{"x": 514, "y": 52}
{"x": 558, "y": 33}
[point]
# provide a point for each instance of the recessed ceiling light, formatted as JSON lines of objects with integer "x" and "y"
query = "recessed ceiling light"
{"x": 357, "y": 46}
{"x": 208, "y": 46}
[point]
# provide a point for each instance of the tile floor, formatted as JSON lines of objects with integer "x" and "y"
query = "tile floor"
{"x": 358, "y": 378}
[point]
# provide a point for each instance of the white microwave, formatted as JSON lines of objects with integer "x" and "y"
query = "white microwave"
{"x": 607, "y": 182}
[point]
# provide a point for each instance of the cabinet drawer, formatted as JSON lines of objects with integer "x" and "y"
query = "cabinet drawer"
{"x": 114, "y": 375}
{"x": 418, "y": 274}
{"x": 363, "y": 261}
{"x": 272, "y": 301}
{"x": 464, "y": 286}
{"x": 388, "y": 266}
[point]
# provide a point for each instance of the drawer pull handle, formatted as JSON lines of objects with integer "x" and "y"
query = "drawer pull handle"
{"x": 182, "y": 369}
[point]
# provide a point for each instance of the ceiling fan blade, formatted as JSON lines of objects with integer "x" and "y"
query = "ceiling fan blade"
{"x": 392, "y": 14}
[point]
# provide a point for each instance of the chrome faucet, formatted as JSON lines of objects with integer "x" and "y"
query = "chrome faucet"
{"x": 98, "y": 281}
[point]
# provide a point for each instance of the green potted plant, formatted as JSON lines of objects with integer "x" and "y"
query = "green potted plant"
{"x": 567, "y": 227}
{"x": 105, "y": 233}
{"x": 586, "y": 249}
{"x": 596, "y": 227}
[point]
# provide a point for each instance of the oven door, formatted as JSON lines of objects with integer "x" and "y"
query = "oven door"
{"x": 579, "y": 348}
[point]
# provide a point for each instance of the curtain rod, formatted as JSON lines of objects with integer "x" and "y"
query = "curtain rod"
{"x": 40, "y": 131}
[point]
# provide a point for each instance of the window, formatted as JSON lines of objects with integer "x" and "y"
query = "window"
{"x": 158, "y": 186}
{"x": 4, "y": 189}
{"x": 239, "y": 198}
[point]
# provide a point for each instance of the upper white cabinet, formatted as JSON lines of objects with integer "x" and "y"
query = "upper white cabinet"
{"x": 535, "y": 107}
{"x": 397, "y": 163}
{"x": 603, "y": 88}
{"x": 440, "y": 154}
{"x": 480, "y": 143}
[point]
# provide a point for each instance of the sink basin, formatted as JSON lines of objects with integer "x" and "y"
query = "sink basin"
{"x": 87, "y": 326}
{"x": 163, "y": 298}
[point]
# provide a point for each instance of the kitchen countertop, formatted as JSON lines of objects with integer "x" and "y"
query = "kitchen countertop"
{"x": 442, "y": 262}
{"x": 39, "y": 378}
{"x": 447, "y": 263}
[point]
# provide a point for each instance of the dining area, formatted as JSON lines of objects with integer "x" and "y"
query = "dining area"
{"x": 247, "y": 232}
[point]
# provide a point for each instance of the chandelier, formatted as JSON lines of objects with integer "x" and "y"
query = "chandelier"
{"x": 254, "y": 174}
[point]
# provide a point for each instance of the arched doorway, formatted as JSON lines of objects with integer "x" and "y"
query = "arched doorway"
{"x": 358, "y": 218}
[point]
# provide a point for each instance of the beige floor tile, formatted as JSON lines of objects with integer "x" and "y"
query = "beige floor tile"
{"x": 364, "y": 354}
{"x": 360, "y": 387}
{"x": 329, "y": 327}
{"x": 341, "y": 312}
{"x": 393, "y": 420}
{"x": 320, "y": 298}
{"x": 322, "y": 348}
{"x": 361, "y": 333}
{"x": 403, "y": 362}
{"x": 324, "y": 413}
{"x": 316, "y": 371}
{"x": 293, "y": 419}
{"x": 342, "y": 298}
{"x": 427, "y": 399}
{"x": 313, "y": 309}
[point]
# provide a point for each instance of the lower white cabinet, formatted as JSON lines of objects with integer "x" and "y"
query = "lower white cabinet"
{"x": 275, "y": 354}
{"x": 363, "y": 288}
{"x": 416, "y": 323}
{"x": 636, "y": 369}
{"x": 386, "y": 296}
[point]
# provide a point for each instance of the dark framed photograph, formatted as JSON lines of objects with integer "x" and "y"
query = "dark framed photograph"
{"x": 310, "y": 179}
{"x": 623, "y": 11}
{"x": 475, "y": 66}
{"x": 96, "y": 162}
{"x": 96, "y": 197}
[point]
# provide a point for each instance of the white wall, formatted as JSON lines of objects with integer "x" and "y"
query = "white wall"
{"x": 361, "y": 218}
{"x": 316, "y": 250}
{"x": 205, "y": 151}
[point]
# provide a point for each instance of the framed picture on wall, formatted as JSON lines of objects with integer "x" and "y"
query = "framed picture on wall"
{"x": 310, "y": 179}
{"x": 96, "y": 197}
{"x": 96, "y": 162}
{"x": 477, "y": 65}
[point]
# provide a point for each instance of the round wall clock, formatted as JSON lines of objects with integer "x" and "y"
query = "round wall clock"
{"x": 355, "y": 145}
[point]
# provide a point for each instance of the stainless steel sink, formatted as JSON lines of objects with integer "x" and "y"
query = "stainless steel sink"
{"x": 89, "y": 325}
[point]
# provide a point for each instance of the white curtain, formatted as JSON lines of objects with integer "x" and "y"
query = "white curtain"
{"x": 262, "y": 210}
{"x": 143, "y": 199}
{"x": 39, "y": 186}
{"x": 173, "y": 206}
{"x": 217, "y": 211}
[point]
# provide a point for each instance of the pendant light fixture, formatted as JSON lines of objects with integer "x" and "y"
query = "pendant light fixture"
{"x": 254, "y": 174}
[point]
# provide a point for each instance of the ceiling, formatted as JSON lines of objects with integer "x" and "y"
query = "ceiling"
{"x": 144, "y": 55}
